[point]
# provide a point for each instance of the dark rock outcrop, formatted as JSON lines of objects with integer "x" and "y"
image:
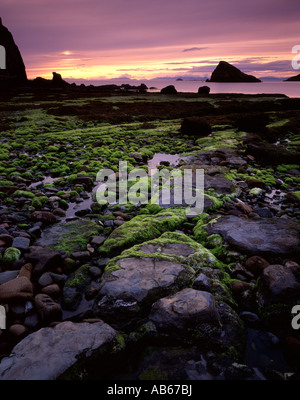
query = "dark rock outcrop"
{"x": 14, "y": 72}
{"x": 226, "y": 72}
{"x": 169, "y": 90}
{"x": 195, "y": 126}
{"x": 293, "y": 78}
{"x": 204, "y": 90}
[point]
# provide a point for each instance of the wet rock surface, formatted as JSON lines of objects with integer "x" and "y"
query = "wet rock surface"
{"x": 179, "y": 296}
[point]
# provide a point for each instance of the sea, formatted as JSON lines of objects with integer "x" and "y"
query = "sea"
{"x": 290, "y": 89}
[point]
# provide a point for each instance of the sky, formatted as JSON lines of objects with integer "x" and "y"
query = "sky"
{"x": 145, "y": 39}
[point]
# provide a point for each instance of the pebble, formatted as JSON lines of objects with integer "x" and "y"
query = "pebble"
{"x": 21, "y": 243}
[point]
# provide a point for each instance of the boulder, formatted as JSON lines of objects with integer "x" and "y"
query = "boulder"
{"x": 47, "y": 309}
{"x": 50, "y": 352}
{"x": 267, "y": 236}
{"x": 278, "y": 284}
{"x": 46, "y": 217}
{"x": 271, "y": 154}
{"x": 168, "y": 90}
{"x": 185, "y": 309}
{"x": 195, "y": 126}
{"x": 127, "y": 292}
{"x": 226, "y": 72}
{"x": 16, "y": 289}
{"x": 43, "y": 259}
{"x": 204, "y": 90}
{"x": 14, "y": 72}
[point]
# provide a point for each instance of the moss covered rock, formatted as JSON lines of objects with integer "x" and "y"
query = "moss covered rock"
{"x": 142, "y": 228}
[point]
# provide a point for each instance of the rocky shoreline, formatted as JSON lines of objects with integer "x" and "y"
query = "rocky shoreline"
{"x": 144, "y": 289}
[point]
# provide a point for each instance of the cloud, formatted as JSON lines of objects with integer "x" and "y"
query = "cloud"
{"x": 194, "y": 49}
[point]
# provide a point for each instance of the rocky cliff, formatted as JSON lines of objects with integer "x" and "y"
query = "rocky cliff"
{"x": 14, "y": 73}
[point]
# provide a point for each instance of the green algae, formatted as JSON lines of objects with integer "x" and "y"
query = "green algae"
{"x": 199, "y": 256}
{"x": 142, "y": 228}
{"x": 71, "y": 236}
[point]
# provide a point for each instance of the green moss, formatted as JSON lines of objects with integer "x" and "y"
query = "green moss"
{"x": 24, "y": 193}
{"x": 6, "y": 183}
{"x": 11, "y": 255}
{"x": 217, "y": 203}
{"x": 199, "y": 257}
{"x": 142, "y": 228}
{"x": 71, "y": 236}
{"x": 80, "y": 278}
{"x": 36, "y": 203}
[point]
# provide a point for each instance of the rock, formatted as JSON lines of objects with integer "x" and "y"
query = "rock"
{"x": 255, "y": 183}
{"x": 52, "y": 290}
{"x": 168, "y": 90}
{"x": 185, "y": 311}
{"x": 202, "y": 282}
{"x": 75, "y": 286}
{"x": 76, "y": 235}
{"x": 11, "y": 255}
{"x": 43, "y": 259}
{"x": 294, "y": 78}
{"x": 43, "y": 216}
{"x": 195, "y": 126}
{"x": 256, "y": 265}
{"x": 7, "y": 239}
{"x": 226, "y": 72}
{"x": 8, "y": 276}
{"x": 127, "y": 291}
{"x": 57, "y": 80}
{"x": 271, "y": 154}
{"x": 81, "y": 256}
{"x": 14, "y": 73}
{"x": 58, "y": 347}
{"x": 272, "y": 236}
{"x": 47, "y": 309}
{"x": 278, "y": 284}
{"x": 294, "y": 197}
{"x": 48, "y": 278}
{"x": 21, "y": 243}
{"x": 86, "y": 181}
{"x": 17, "y": 330}
{"x": 263, "y": 212}
{"x": 204, "y": 90}
{"x": 98, "y": 240}
{"x": 26, "y": 271}
{"x": 292, "y": 350}
{"x": 253, "y": 122}
{"x": 140, "y": 229}
{"x": 16, "y": 289}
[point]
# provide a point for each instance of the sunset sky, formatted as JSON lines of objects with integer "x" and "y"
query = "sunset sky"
{"x": 103, "y": 39}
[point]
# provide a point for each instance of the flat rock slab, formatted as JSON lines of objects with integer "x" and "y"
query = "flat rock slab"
{"x": 273, "y": 236}
{"x": 50, "y": 352}
{"x": 140, "y": 280}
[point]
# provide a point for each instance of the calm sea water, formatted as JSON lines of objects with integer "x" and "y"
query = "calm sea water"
{"x": 291, "y": 89}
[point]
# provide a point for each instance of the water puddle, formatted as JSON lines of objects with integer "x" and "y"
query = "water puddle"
{"x": 172, "y": 159}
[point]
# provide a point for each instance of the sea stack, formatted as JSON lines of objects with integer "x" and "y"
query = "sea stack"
{"x": 226, "y": 72}
{"x": 14, "y": 73}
